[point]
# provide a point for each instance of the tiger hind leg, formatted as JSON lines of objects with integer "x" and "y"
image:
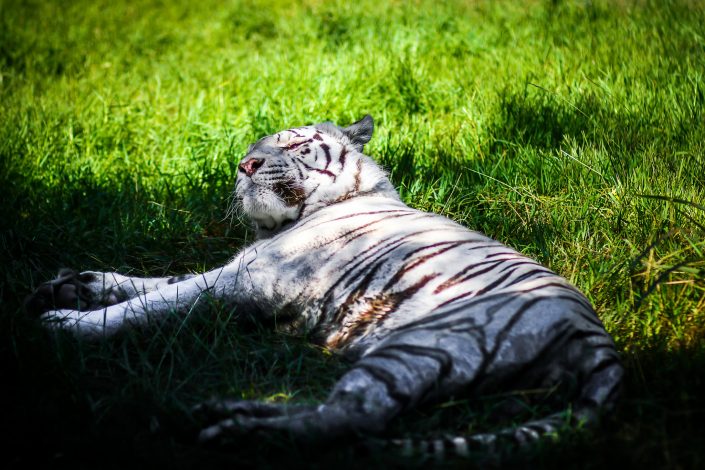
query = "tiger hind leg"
{"x": 378, "y": 387}
{"x": 407, "y": 368}
{"x": 599, "y": 383}
{"x": 478, "y": 347}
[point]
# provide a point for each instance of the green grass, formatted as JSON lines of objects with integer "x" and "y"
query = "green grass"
{"x": 571, "y": 130}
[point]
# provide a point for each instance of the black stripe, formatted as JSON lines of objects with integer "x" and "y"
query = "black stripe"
{"x": 182, "y": 277}
{"x": 459, "y": 310}
{"x": 514, "y": 253}
{"x": 364, "y": 226}
{"x": 560, "y": 339}
{"x": 417, "y": 262}
{"x": 453, "y": 299}
{"x": 612, "y": 394}
{"x": 388, "y": 380}
{"x": 501, "y": 337}
{"x": 326, "y": 150}
{"x": 493, "y": 284}
{"x": 298, "y": 168}
{"x": 583, "y": 302}
{"x": 520, "y": 263}
{"x": 440, "y": 321}
{"x": 318, "y": 170}
{"x": 432, "y": 323}
{"x": 534, "y": 273}
{"x": 311, "y": 218}
{"x": 356, "y": 214}
{"x": 298, "y": 144}
{"x": 604, "y": 364}
{"x": 444, "y": 359}
{"x": 459, "y": 279}
{"x": 341, "y": 158}
{"x": 390, "y": 355}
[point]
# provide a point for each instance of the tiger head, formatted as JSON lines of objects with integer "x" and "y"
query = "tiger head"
{"x": 295, "y": 172}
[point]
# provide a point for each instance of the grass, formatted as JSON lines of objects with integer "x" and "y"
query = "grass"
{"x": 571, "y": 130}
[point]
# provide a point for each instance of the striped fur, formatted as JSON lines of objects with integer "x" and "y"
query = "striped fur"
{"x": 426, "y": 308}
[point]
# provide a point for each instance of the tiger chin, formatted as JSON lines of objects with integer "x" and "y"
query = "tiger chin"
{"x": 425, "y": 308}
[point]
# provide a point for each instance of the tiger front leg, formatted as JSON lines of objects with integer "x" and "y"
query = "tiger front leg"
{"x": 91, "y": 290}
{"x": 165, "y": 299}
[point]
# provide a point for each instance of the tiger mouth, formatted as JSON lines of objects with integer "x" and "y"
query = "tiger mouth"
{"x": 291, "y": 193}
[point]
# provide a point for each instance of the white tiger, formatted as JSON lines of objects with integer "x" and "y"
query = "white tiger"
{"x": 426, "y": 308}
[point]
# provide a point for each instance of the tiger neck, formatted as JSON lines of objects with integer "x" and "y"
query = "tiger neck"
{"x": 368, "y": 179}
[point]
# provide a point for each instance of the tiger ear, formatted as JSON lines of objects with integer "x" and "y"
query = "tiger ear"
{"x": 360, "y": 132}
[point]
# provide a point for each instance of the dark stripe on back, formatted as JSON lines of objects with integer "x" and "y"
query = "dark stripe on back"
{"x": 419, "y": 261}
{"x": 514, "y": 253}
{"x": 457, "y": 297}
{"x": 442, "y": 322}
{"x": 494, "y": 284}
{"x": 364, "y": 226}
{"x": 500, "y": 339}
{"x": 444, "y": 359}
{"x": 504, "y": 297}
{"x": 519, "y": 263}
{"x": 462, "y": 276}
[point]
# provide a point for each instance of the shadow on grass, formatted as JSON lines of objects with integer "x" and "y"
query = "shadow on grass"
{"x": 535, "y": 116}
{"x": 544, "y": 120}
{"x": 80, "y": 221}
{"x": 125, "y": 402}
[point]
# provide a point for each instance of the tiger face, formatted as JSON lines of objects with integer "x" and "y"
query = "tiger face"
{"x": 286, "y": 175}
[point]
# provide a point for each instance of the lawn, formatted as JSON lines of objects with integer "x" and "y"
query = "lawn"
{"x": 573, "y": 131}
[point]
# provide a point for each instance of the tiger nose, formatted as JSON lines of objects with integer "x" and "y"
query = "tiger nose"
{"x": 250, "y": 165}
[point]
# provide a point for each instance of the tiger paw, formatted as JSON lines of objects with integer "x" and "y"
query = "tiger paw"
{"x": 88, "y": 290}
{"x": 68, "y": 291}
{"x": 228, "y": 421}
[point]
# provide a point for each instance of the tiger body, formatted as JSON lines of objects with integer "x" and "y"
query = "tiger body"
{"x": 356, "y": 271}
{"x": 426, "y": 308}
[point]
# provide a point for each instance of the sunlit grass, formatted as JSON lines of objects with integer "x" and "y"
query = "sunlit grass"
{"x": 573, "y": 131}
